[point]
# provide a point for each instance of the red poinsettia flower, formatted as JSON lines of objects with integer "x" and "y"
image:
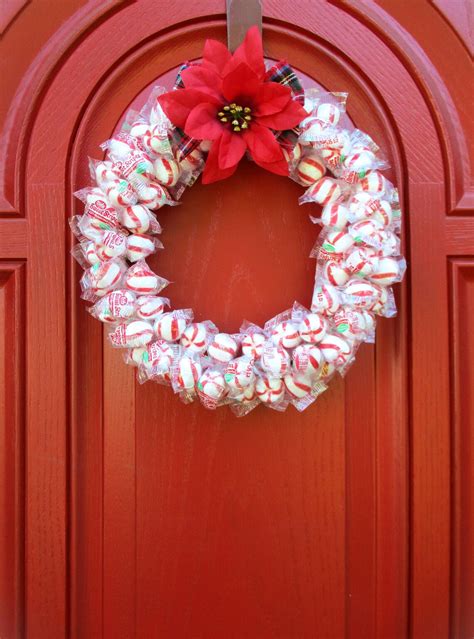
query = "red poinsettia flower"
{"x": 228, "y": 100}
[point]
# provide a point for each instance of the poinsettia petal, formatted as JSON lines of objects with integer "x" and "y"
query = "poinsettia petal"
{"x": 241, "y": 82}
{"x": 251, "y": 51}
{"x": 262, "y": 144}
{"x": 287, "y": 118}
{"x": 179, "y": 103}
{"x": 231, "y": 150}
{"x": 215, "y": 55}
{"x": 271, "y": 98}
{"x": 280, "y": 167}
{"x": 206, "y": 80}
{"x": 202, "y": 123}
{"x": 212, "y": 171}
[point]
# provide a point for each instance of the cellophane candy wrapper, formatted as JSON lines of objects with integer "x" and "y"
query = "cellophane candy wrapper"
{"x": 140, "y": 246}
{"x": 140, "y": 279}
{"x": 325, "y": 111}
{"x": 114, "y": 307}
{"x": 211, "y": 387}
{"x": 132, "y": 334}
{"x": 102, "y": 278}
{"x": 155, "y": 361}
{"x": 119, "y": 192}
{"x": 197, "y": 336}
{"x": 171, "y": 326}
{"x": 324, "y": 191}
{"x": 99, "y": 214}
{"x": 151, "y": 126}
{"x": 185, "y": 372}
{"x": 107, "y": 246}
{"x": 150, "y": 307}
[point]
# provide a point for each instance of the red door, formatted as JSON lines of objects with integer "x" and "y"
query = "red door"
{"x": 125, "y": 513}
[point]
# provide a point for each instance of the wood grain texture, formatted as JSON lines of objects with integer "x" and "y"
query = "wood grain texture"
{"x": 12, "y": 448}
{"x": 148, "y": 518}
{"x": 46, "y": 459}
{"x": 462, "y": 418}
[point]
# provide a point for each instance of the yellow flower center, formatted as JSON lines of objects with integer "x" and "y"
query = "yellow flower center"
{"x": 236, "y": 115}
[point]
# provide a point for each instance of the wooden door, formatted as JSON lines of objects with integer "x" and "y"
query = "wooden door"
{"x": 127, "y": 514}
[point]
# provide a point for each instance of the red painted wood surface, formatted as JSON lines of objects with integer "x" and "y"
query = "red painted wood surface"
{"x": 127, "y": 514}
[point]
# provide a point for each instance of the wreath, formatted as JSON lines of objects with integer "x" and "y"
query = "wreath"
{"x": 223, "y": 108}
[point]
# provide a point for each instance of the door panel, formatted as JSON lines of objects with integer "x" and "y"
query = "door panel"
{"x": 148, "y": 518}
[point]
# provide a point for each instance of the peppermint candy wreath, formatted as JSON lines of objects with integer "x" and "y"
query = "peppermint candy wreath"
{"x": 222, "y": 108}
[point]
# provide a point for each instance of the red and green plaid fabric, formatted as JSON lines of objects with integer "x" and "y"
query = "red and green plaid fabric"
{"x": 280, "y": 72}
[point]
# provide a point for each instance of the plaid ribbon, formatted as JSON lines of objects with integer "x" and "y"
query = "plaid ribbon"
{"x": 280, "y": 72}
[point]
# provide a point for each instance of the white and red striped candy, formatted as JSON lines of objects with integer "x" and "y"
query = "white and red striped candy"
{"x": 154, "y": 196}
{"x": 194, "y": 338}
{"x": 361, "y": 262}
{"x": 132, "y": 335}
{"x": 170, "y": 326}
{"x": 338, "y": 242}
{"x": 211, "y": 388}
{"x": 307, "y": 359}
{"x": 193, "y": 161}
{"x": 335, "y": 349}
{"x": 325, "y": 299}
{"x": 270, "y": 390}
{"x": 239, "y": 373}
{"x": 114, "y": 306}
{"x": 382, "y": 212}
{"x": 150, "y": 306}
{"x": 189, "y": 372}
{"x": 363, "y": 205}
{"x": 142, "y": 280}
{"x": 223, "y": 347}
{"x": 298, "y": 386}
{"x": 310, "y": 169}
{"x": 382, "y": 299}
{"x": 139, "y": 247}
{"x": 335, "y": 273}
{"x": 386, "y": 242}
{"x": 329, "y": 113}
{"x": 106, "y": 276}
{"x": 91, "y": 254}
{"x": 286, "y": 334}
{"x": 105, "y": 172}
{"x": 312, "y": 126}
{"x": 360, "y": 162}
{"x": 312, "y": 328}
{"x": 331, "y": 157}
{"x": 247, "y": 395}
{"x": 252, "y": 345}
{"x": 275, "y": 361}
{"x": 324, "y": 191}
{"x": 292, "y": 155}
{"x": 166, "y": 171}
{"x": 136, "y": 218}
{"x": 113, "y": 244}
{"x": 335, "y": 215}
{"x": 374, "y": 182}
{"x": 364, "y": 229}
{"x": 362, "y": 294}
{"x": 158, "y": 354}
{"x": 386, "y": 271}
{"x": 120, "y": 193}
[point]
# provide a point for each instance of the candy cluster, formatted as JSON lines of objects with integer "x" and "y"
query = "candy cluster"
{"x": 292, "y": 358}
